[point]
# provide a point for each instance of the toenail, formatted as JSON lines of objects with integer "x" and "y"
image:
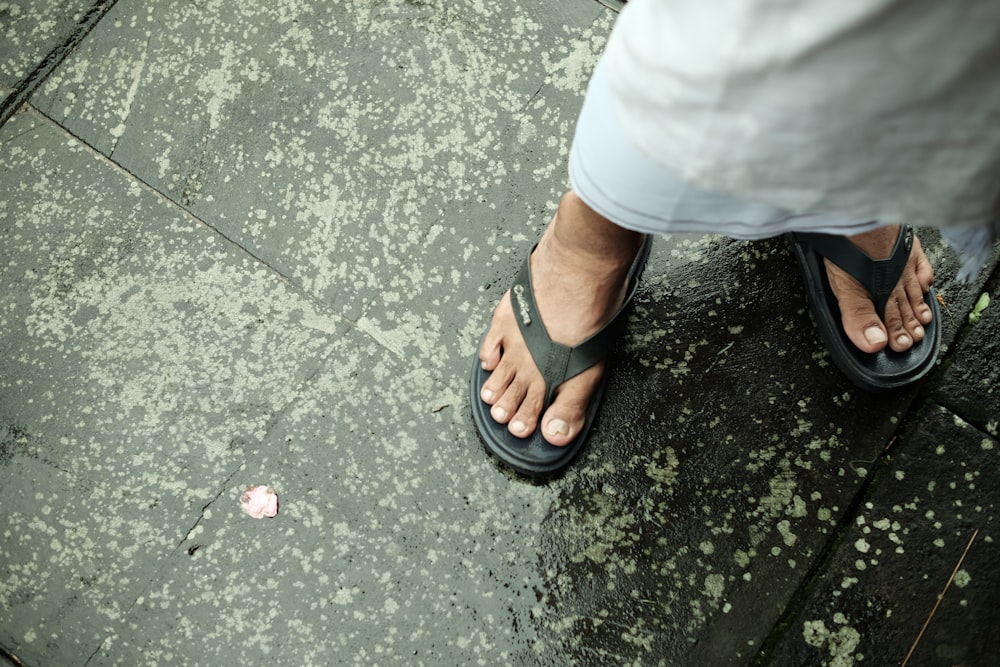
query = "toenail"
{"x": 558, "y": 427}
{"x": 518, "y": 427}
{"x": 487, "y": 394}
{"x": 918, "y": 332}
{"x": 498, "y": 413}
{"x": 874, "y": 335}
{"x": 903, "y": 340}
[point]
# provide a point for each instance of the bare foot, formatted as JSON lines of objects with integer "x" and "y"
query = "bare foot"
{"x": 579, "y": 272}
{"x": 906, "y": 314}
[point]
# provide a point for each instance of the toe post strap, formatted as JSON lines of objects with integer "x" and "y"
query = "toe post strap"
{"x": 557, "y": 362}
{"x": 878, "y": 276}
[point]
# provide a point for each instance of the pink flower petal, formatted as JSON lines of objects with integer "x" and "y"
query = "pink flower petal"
{"x": 260, "y": 501}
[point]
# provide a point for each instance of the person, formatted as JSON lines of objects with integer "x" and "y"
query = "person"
{"x": 838, "y": 123}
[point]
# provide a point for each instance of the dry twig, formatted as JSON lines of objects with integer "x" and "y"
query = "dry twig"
{"x": 940, "y": 299}
{"x": 940, "y": 597}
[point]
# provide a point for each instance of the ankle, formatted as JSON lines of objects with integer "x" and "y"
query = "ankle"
{"x": 581, "y": 235}
{"x": 877, "y": 243}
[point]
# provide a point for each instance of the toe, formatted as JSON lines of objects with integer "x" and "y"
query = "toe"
{"x": 508, "y": 402}
{"x": 923, "y": 269}
{"x": 857, "y": 312}
{"x": 491, "y": 349}
{"x": 498, "y": 381}
{"x": 525, "y": 420}
{"x": 914, "y": 294}
{"x": 565, "y": 417}
{"x": 897, "y": 316}
{"x": 924, "y": 278}
{"x": 870, "y": 336}
{"x": 912, "y": 314}
{"x": 912, "y": 321}
{"x": 861, "y": 323}
{"x": 490, "y": 353}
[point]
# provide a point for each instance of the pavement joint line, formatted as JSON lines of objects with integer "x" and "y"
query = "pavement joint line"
{"x": 201, "y": 515}
{"x": 614, "y": 5}
{"x": 96, "y": 651}
{"x": 8, "y": 658}
{"x": 534, "y": 95}
{"x": 878, "y": 468}
{"x": 27, "y": 87}
{"x": 964, "y": 330}
{"x": 192, "y": 217}
{"x": 18, "y": 135}
{"x": 955, "y": 413}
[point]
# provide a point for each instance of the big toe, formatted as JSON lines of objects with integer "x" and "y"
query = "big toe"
{"x": 861, "y": 323}
{"x": 565, "y": 417}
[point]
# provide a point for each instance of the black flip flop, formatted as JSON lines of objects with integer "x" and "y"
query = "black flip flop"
{"x": 884, "y": 370}
{"x": 534, "y": 456}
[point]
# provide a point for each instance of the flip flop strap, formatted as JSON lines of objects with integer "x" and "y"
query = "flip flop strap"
{"x": 878, "y": 276}
{"x": 557, "y": 362}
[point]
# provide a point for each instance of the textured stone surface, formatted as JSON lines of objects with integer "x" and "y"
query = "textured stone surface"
{"x": 256, "y": 244}
{"x": 332, "y": 139}
{"x": 143, "y": 358}
{"x": 933, "y": 500}
{"x": 728, "y": 453}
{"x": 971, "y": 385}
{"x": 30, "y": 30}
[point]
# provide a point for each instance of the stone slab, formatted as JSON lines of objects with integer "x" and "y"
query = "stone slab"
{"x": 29, "y": 30}
{"x": 320, "y": 134}
{"x": 969, "y": 386}
{"x": 906, "y": 546}
{"x": 395, "y": 542}
{"x": 721, "y": 465}
{"x": 316, "y": 210}
{"x": 142, "y": 358}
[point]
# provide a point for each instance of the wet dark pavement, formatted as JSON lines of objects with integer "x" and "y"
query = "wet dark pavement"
{"x": 248, "y": 243}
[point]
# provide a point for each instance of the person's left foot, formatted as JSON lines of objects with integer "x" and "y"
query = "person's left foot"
{"x": 906, "y": 314}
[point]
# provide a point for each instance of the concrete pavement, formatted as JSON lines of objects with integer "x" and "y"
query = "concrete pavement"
{"x": 256, "y": 243}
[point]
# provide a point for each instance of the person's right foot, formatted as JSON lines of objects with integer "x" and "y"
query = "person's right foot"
{"x": 578, "y": 273}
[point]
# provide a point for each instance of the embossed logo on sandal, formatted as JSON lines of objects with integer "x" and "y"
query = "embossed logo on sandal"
{"x": 522, "y": 304}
